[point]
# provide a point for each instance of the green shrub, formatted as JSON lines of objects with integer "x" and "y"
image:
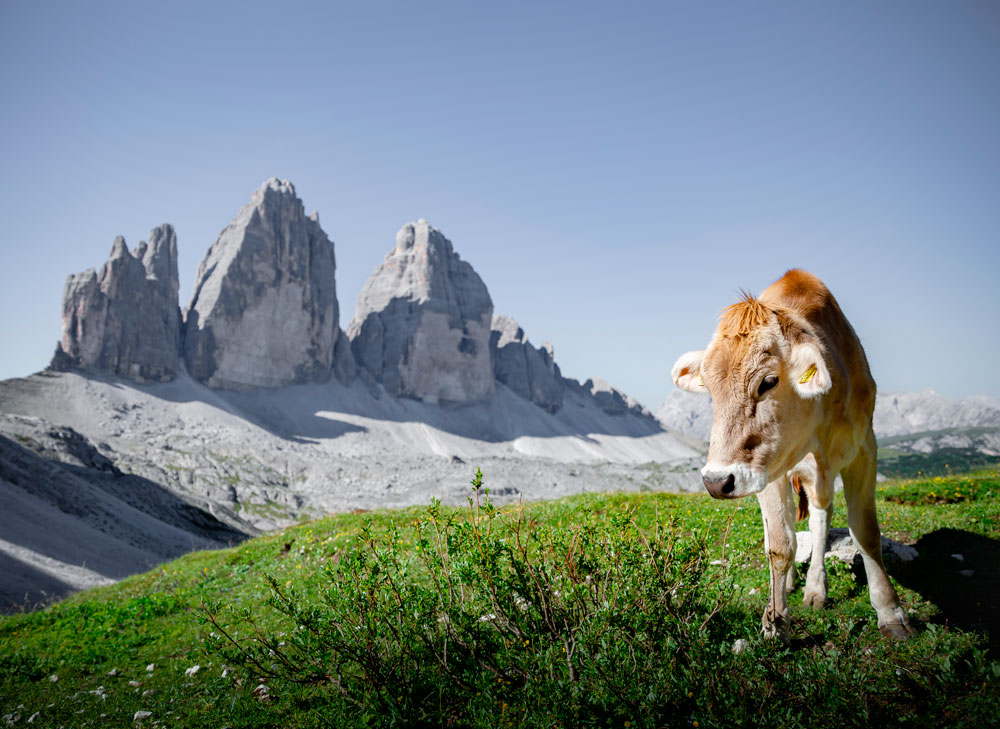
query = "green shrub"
{"x": 489, "y": 618}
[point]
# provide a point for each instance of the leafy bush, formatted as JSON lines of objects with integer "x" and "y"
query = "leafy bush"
{"x": 488, "y": 618}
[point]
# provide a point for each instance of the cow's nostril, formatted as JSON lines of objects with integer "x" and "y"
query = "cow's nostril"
{"x": 730, "y": 485}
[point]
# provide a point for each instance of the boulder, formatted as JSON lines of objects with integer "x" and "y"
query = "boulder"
{"x": 422, "y": 324}
{"x": 125, "y": 320}
{"x": 264, "y": 311}
{"x": 529, "y": 371}
{"x": 839, "y": 544}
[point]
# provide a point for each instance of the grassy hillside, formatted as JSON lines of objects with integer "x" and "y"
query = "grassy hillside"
{"x": 596, "y": 610}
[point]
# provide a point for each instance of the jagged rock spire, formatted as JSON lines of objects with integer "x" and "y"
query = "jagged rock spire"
{"x": 422, "y": 324}
{"x": 126, "y": 319}
{"x": 264, "y": 311}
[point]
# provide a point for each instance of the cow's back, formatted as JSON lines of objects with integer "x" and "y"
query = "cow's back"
{"x": 853, "y": 393}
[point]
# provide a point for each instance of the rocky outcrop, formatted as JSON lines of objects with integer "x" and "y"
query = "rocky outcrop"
{"x": 125, "y": 320}
{"x": 610, "y": 399}
{"x": 529, "y": 371}
{"x": 422, "y": 325}
{"x": 264, "y": 311}
{"x": 690, "y": 413}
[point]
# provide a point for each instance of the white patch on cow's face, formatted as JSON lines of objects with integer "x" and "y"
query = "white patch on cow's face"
{"x": 746, "y": 480}
{"x": 686, "y": 372}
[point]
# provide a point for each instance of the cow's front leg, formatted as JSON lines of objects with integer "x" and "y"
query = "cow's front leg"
{"x": 777, "y": 508}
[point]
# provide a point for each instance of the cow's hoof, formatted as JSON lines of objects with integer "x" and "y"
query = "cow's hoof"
{"x": 777, "y": 630}
{"x": 897, "y": 631}
{"x": 814, "y": 600}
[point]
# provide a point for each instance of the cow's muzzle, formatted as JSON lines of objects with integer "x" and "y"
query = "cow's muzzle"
{"x": 720, "y": 488}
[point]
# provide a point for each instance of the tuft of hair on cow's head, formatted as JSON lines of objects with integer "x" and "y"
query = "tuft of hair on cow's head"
{"x": 766, "y": 372}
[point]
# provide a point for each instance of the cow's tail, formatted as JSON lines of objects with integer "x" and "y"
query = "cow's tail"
{"x": 803, "y": 511}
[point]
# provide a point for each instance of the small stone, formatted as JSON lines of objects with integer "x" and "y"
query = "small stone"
{"x": 740, "y": 645}
{"x": 150, "y": 667}
{"x": 959, "y": 557}
{"x": 192, "y": 671}
{"x": 149, "y": 692}
{"x": 31, "y": 719}
{"x": 967, "y": 573}
{"x": 134, "y": 683}
{"x": 140, "y": 715}
{"x": 113, "y": 672}
{"x": 53, "y": 678}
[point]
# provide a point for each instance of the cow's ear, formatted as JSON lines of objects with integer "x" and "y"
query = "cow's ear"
{"x": 808, "y": 370}
{"x": 686, "y": 372}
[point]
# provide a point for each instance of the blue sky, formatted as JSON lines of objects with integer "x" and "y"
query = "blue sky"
{"x": 615, "y": 172}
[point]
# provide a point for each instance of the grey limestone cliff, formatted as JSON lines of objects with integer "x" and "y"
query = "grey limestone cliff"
{"x": 529, "y": 371}
{"x": 264, "y": 311}
{"x": 422, "y": 325}
{"x": 125, "y": 320}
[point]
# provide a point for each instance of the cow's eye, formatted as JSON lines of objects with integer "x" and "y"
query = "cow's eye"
{"x": 766, "y": 384}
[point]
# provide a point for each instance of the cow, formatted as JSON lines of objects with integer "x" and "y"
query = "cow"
{"x": 793, "y": 398}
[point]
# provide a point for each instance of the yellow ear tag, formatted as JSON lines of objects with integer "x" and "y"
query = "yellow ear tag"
{"x": 701, "y": 382}
{"x": 807, "y": 375}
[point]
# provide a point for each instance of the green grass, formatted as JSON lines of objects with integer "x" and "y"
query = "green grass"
{"x": 647, "y": 593}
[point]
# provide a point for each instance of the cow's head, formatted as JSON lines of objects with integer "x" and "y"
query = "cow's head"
{"x": 765, "y": 370}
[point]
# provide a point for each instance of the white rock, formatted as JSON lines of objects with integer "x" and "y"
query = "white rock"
{"x": 740, "y": 645}
{"x": 959, "y": 557}
{"x": 192, "y": 671}
{"x": 140, "y": 715}
{"x": 150, "y": 667}
{"x": 840, "y": 545}
{"x": 53, "y": 678}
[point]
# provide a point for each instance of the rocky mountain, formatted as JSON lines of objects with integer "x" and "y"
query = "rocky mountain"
{"x": 911, "y": 422}
{"x": 529, "y": 371}
{"x": 257, "y": 410}
{"x": 901, "y": 413}
{"x": 125, "y": 320}
{"x": 422, "y": 324}
{"x": 264, "y": 311}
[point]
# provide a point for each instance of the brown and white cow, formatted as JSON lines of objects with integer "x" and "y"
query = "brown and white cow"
{"x": 793, "y": 399}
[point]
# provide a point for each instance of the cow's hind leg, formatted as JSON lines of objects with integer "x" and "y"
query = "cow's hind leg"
{"x": 859, "y": 490}
{"x": 777, "y": 507}
{"x": 819, "y": 488}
